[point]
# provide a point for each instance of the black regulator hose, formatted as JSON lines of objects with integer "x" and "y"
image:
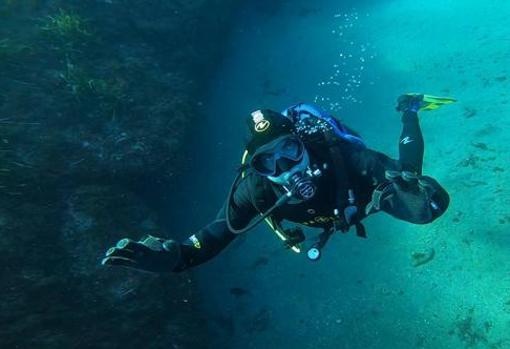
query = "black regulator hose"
{"x": 281, "y": 201}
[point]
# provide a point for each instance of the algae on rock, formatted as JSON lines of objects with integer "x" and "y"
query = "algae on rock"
{"x": 97, "y": 98}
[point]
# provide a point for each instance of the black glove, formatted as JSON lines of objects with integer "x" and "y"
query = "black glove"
{"x": 410, "y": 197}
{"x": 149, "y": 254}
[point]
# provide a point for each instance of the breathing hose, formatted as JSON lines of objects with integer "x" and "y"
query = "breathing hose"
{"x": 280, "y": 202}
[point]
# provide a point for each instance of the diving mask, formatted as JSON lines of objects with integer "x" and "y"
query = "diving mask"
{"x": 279, "y": 156}
{"x": 285, "y": 161}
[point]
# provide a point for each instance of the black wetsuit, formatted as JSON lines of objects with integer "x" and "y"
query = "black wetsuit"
{"x": 365, "y": 170}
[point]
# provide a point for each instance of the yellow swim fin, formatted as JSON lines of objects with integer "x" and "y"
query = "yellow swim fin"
{"x": 434, "y": 102}
{"x": 430, "y": 102}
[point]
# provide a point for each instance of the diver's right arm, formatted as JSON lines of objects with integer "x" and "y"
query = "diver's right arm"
{"x": 161, "y": 255}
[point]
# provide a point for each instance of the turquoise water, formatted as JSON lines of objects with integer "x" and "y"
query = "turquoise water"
{"x": 121, "y": 118}
{"x": 366, "y": 293}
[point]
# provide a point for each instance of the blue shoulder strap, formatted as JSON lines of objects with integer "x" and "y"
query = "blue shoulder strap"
{"x": 304, "y": 110}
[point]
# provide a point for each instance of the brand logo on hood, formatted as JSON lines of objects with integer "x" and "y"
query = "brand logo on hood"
{"x": 261, "y": 124}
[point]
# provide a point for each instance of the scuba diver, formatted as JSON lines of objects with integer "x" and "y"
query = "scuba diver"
{"x": 306, "y": 167}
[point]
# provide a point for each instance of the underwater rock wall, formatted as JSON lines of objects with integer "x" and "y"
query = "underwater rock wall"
{"x": 96, "y": 98}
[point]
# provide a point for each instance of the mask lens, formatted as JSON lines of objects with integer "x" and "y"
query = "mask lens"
{"x": 286, "y": 152}
{"x": 291, "y": 149}
{"x": 284, "y": 165}
{"x": 264, "y": 163}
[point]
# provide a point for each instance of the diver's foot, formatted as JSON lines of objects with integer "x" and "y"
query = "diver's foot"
{"x": 415, "y": 102}
{"x": 411, "y": 102}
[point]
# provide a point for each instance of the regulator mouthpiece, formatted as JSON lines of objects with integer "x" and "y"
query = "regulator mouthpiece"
{"x": 302, "y": 187}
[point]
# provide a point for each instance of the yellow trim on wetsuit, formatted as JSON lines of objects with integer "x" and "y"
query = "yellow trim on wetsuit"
{"x": 243, "y": 160}
{"x": 281, "y": 235}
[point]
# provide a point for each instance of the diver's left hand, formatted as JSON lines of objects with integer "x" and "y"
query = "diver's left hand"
{"x": 148, "y": 254}
{"x": 410, "y": 197}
